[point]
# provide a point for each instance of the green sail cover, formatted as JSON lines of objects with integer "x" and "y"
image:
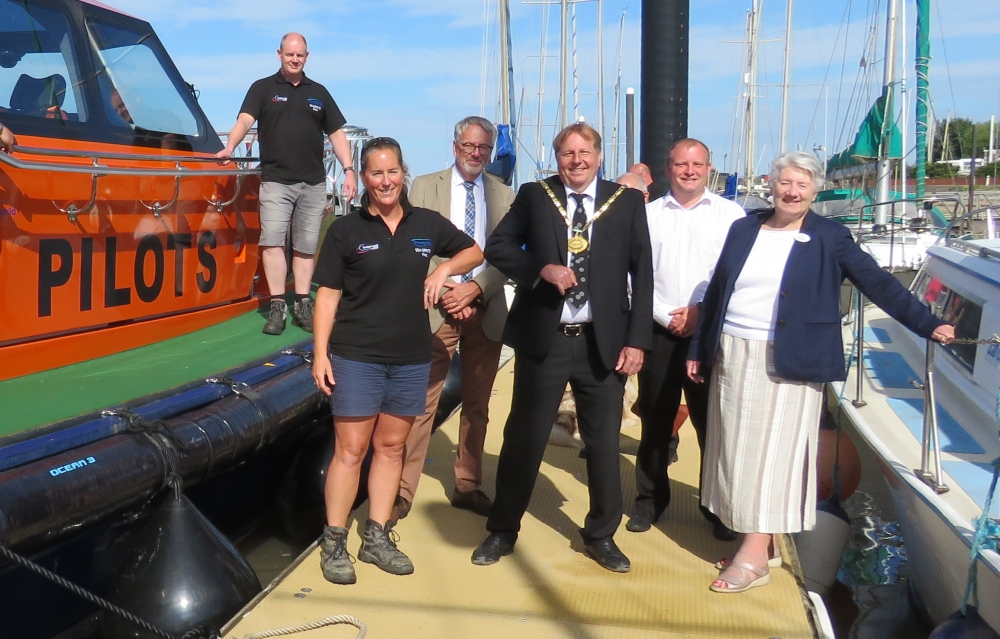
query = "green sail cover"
{"x": 866, "y": 143}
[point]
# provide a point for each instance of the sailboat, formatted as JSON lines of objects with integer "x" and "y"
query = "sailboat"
{"x": 929, "y": 413}
{"x": 889, "y": 226}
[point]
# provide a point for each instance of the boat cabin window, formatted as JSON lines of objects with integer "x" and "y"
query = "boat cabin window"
{"x": 955, "y": 309}
{"x": 39, "y": 75}
{"x": 138, "y": 92}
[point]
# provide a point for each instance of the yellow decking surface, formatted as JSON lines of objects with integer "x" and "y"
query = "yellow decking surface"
{"x": 547, "y": 588}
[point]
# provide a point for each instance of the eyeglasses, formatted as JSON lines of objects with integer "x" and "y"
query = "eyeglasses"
{"x": 469, "y": 147}
{"x": 381, "y": 141}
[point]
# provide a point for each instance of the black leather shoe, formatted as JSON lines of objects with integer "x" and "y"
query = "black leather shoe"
{"x": 722, "y": 533}
{"x": 495, "y": 546}
{"x": 474, "y": 500}
{"x": 606, "y": 553}
{"x": 641, "y": 521}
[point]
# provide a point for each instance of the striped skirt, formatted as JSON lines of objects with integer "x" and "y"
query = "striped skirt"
{"x": 760, "y": 453}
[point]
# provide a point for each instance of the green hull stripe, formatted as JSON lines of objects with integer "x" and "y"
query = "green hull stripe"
{"x": 61, "y": 393}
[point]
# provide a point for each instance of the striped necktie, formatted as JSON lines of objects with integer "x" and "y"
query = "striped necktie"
{"x": 470, "y": 217}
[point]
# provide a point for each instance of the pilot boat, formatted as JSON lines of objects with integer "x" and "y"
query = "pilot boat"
{"x": 130, "y": 334}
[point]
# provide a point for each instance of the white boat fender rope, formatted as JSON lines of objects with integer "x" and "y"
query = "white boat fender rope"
{"x": 313, "y": 625}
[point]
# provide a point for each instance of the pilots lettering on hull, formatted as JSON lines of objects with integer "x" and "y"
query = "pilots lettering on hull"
{"x": 59, "y": 262}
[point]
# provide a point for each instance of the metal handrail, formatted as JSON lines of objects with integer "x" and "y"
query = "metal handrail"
{"x": 103, "y": 169}
{"x": 105, "y": 155}
{"x": 930, "y": 445}
{"x": 961, "y": 220}
{"x": 859, "y": 400}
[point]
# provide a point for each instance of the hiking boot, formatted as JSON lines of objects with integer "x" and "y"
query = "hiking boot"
{"x": 334, "y": 559}
{"x": 302, "y": 314}
{"x": 379, "y": 548}
{"x": 275, "y": 324}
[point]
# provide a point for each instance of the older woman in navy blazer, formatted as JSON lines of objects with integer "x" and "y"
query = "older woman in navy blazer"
{"x": 770, "y": 330}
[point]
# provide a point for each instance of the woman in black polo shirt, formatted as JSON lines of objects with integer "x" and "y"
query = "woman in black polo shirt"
{"x": 371, "y": 275}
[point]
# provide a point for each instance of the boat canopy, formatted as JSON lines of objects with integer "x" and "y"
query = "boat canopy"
{"x": 70, "y": 70}
{"x": 868, "y": 141}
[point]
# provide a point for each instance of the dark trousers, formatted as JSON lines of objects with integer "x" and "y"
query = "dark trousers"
{"x": 661, "y": 380}
{"x": 539, "y": 384}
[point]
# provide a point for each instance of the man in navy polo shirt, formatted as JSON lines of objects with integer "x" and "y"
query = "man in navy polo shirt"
{"x": 293, "y": 115}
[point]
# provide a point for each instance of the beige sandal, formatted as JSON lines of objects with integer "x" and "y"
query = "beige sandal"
{"x": 773, "y": 562}
{"x": 741, "y": 577}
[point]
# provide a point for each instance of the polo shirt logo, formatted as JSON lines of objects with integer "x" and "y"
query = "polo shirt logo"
{"x": 422, "y": 246}
{"x": 280, "y": 98}
{"x": 366, "y": 248}
{"x": 315, "y": 105}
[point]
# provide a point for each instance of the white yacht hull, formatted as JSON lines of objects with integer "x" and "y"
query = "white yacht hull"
{"x": 938, "y": 540}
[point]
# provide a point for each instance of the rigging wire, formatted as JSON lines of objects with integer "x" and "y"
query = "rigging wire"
{"x": 833, "y": 51}
{"x": 944, "y": 52}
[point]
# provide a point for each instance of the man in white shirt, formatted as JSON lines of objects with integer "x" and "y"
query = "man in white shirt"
{"x": 687, "y": 228}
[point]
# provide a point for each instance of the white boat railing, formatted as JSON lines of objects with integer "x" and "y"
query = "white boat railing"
{"x": 959, "y": 230}
{"x": 920, "y": 223}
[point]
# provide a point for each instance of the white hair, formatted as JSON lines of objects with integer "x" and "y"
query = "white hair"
{"x": 475, "y": 120}
{"x": 801, "y": 160}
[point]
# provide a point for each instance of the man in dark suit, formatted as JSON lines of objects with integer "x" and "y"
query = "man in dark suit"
{"x": 571, "y": 242}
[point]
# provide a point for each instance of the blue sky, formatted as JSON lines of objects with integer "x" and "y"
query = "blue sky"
{"x": 411, "y": 68}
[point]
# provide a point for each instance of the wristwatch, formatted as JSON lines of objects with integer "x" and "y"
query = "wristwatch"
{"x": 346, "y": 168}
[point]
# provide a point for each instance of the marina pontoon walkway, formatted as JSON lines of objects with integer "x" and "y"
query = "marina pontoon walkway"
{"x": 547, "y": 588}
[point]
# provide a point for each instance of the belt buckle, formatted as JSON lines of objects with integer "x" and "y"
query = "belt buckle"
{"x": 572, "y": 330}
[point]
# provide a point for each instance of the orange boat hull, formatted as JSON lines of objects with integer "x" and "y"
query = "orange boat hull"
{"x": 153, "y": 257}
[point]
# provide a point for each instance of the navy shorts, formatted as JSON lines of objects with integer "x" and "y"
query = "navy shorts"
{"x": 364, "y": 390}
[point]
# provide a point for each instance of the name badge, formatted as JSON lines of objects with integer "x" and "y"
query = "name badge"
{"x": 802, "y": 237}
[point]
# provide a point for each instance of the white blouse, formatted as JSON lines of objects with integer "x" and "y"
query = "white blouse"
{"x": 754, "y": 302}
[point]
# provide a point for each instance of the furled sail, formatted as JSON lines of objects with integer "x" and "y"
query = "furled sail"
{"x": 874, "y": 131}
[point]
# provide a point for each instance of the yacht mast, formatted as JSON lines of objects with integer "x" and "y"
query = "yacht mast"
{"x": 618, "y": 89}
{"x": 785, "y": 77}
{"x": 884, "y": 169}
{"x": 505, "y": 95}
{"x": 923, "y": 58}
{"x": 562, "y": 64}
{"x": 539, "y": 145}
{"x": 750, "y": 118}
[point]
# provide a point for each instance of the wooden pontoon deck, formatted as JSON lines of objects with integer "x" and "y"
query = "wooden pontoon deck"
{"x": 547, "y": 588}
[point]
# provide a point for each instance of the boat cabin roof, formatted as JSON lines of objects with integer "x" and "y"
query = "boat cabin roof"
{"x": 80, "y": 70}
{"x": 979, "y": 258}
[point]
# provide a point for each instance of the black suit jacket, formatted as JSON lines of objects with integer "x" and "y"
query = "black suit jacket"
{"x": 533, "y": 235}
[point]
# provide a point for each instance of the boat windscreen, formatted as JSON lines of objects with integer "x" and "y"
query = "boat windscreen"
{"x": 39, "y": 74}
{"x": 140, "y": 90}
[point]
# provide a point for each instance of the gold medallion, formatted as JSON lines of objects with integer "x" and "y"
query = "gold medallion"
{"x": 577, "y": 244}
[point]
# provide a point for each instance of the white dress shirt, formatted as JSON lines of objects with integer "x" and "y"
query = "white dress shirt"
{"x": 686, "y": 243}
{"x": 458, "y": 195}
{"x": 572, "y": 315}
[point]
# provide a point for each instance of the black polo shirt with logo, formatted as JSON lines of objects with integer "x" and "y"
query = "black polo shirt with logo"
{"x": 381, "y": 317}
{"x": 291, "y": 123}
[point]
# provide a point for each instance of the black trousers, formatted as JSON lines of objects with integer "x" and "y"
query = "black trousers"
{"x": 661, "y": 380}
{"x": 539, "y": 384}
